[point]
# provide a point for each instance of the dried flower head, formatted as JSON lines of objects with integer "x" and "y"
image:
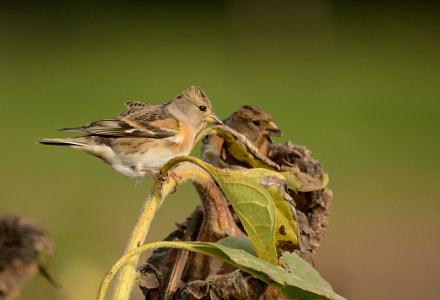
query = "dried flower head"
{"x": 21, "y": 242}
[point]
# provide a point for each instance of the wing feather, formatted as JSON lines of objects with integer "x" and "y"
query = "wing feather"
{"x": 135, "y": 109}
{"x": 138, "y": 120}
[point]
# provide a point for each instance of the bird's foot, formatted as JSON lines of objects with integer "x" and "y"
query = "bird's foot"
{"x": 158, "y": 179}
{"x": 147, "y": 171}
{"x": 176, "y": 177}
{"x": 173, "y": 175}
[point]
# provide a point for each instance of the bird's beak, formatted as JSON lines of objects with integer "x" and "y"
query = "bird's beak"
{"x": 273, "y": 129}
{"x": 213, "y": 119}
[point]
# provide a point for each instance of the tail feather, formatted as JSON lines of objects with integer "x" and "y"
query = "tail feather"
{"x": 60, "y": 142}
{"x": 85, "y": 143}
{"x": 74, "y": 129}
{"x": 55, "y": 144}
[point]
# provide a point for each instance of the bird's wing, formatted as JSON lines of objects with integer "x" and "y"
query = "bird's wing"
{"x": 144, "y": 121}
{"x": 135, "y": 109}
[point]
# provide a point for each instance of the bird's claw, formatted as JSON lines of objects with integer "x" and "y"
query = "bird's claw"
{"x": 159, "y": 179}
{"x": 163, "y": 177}
{"x": 176, "y": 177}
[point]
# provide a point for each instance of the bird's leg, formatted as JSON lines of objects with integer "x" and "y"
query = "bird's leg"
{"x": 176, "y": 178}
{"x": 156, "y": 178}
{"x": 154, "y": 171}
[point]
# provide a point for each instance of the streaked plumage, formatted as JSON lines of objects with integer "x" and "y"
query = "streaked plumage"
{"x": 144, "y": 137}
{"x": 253, "y": 122}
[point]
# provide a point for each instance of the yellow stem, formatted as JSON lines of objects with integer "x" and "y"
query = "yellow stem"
{"x": 186, "y": 172}
{"x": 124, "y": 261}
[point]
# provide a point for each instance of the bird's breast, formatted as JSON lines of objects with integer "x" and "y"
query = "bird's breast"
{"x": 183, "y": 141}
{"x": 148, "y": 152}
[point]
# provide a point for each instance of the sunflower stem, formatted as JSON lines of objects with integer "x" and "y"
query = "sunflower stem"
{"x": 184, "y": 172}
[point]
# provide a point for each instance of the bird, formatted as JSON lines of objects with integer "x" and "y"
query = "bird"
{"x": 251, "y": 121}
{"x": 144, "y": 137}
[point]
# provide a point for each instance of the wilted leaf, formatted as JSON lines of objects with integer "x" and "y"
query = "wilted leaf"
{"x": 286, "y": 235}
{"x": 287, "y": 229}
{"x": 303, "y": 182}
{"x": 240, "y": 148}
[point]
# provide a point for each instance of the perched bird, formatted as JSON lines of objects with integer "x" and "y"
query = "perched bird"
{"x": 251, "y": 121}
{"x": 144, "y": 137}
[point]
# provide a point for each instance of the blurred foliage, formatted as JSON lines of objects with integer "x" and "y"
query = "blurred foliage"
{"x": 357, "y": 83}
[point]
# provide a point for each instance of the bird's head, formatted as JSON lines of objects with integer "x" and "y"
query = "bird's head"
{"x": 253, "y": 122}
{"x": 194, "y": 107}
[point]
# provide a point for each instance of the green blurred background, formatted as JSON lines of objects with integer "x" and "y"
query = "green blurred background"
{"x": 357, "y": 83}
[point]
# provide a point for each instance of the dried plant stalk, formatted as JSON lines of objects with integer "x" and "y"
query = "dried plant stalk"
{"x": 196, "y": 276}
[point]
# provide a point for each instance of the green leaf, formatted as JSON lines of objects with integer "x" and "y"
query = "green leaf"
{"x": 258, "y": 197}
{"x": 252, "y": 203}
{"x": 260, "y": 200}
{"x": 254, "y": 206}
{"x": 295, "y": 265}
{"x": 238, "y": 242}
{"x": 298, "y": 281}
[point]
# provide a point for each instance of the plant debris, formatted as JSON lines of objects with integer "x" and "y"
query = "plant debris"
{"x": 21, "y": 242}
{"x": 203, "y": 277}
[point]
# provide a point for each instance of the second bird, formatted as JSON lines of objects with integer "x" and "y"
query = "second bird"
{"x": 251, "y": 121}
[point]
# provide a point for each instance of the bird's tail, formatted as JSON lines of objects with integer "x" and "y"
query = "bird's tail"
{"x": 84, "y": 143}
{"x": 75, "y": 129}
{"x": 61, "y": 142}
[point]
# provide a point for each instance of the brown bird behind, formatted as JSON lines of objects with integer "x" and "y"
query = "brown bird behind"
{"x": 253, "y": 122}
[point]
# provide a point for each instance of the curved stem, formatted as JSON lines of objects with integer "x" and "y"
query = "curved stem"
{"x": 137, "y": 238}
{"x": 185, "y": 172}
{"x": 205, "y": 166}
{"x": 125, "y": 261}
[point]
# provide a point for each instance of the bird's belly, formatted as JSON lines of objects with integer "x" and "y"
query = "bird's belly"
{"x": 149, "y": 159}
{"x": 140, "y": 157}
{"x": 135, "y": 165}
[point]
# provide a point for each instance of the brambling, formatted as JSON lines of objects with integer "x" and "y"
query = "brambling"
{"x": 144, "y": 137}
{"x": 251, "y": 121}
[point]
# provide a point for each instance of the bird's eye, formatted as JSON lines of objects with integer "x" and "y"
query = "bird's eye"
{"x": 202, "y": 108}
{"x": 256, "y": 123}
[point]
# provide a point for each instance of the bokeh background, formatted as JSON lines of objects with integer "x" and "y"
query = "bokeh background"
{"x": 356, "y": 82}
